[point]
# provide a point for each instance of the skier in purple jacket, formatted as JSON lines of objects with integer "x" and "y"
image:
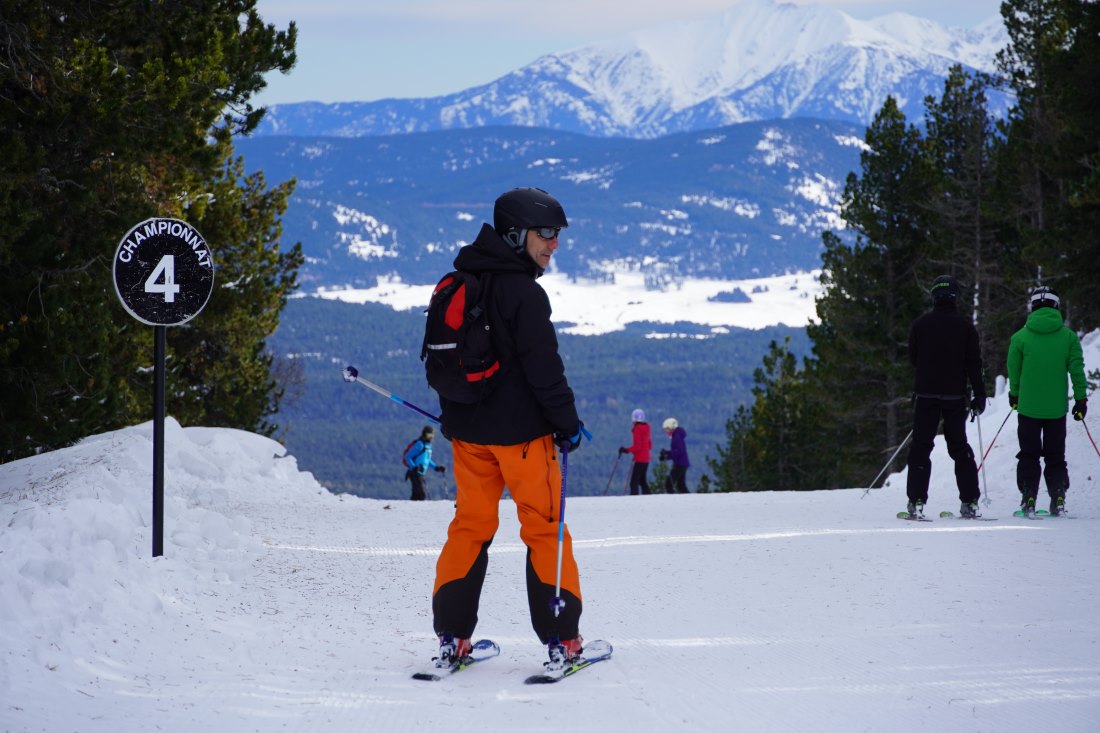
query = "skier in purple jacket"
{"x": 677, "y": 451}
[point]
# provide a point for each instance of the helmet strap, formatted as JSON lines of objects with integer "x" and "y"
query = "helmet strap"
{"x": 516, "y": 239}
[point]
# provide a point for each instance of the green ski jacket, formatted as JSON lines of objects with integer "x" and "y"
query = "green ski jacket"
{"x": 1040, "y": 355}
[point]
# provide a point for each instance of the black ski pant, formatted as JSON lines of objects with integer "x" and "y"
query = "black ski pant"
{"x": 1044, "y": 439}
{"x": 676, "y": 483}
{"x": 927, "y": 414}
{"x": 417, "y": 480}
{"x": 639, "y": 484}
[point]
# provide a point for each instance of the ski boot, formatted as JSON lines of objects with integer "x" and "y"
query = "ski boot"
{"x": 969, "y": 510}
{"x": 564, "y": 652}
{"x": 1057, "y": 506}
{"x": 1027, "y": 506}
{"x": 916, "y": 510}
{"x": 451, "y": 651}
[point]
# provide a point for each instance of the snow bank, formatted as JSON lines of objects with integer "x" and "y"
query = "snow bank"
{"x": 76, "y": 548}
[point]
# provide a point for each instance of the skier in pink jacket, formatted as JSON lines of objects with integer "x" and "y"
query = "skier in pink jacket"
{"x": 642, "y": 450}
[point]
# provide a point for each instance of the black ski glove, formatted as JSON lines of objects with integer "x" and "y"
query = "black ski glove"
{"x": 977, "y": 405}
{"x": 1080, "y": 408}
{"x": 1013, "y": 400}
{"x": 570, "y": 443}
{"x": 441, "y": 469}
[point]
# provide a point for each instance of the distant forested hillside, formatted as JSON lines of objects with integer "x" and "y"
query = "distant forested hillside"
{"x": 351, "y": 438}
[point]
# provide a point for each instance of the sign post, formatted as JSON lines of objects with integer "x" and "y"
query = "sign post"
{"x": 164, "y": 274}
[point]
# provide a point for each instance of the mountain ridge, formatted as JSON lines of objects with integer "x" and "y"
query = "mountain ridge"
{"x": 741, "y": 201}
{"x": 758, "y": 60}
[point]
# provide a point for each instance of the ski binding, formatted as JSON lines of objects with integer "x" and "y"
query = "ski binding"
{"x": 979, "y": 518}
{"x": 483, "y": 650}
{"x": 593, "y": 651}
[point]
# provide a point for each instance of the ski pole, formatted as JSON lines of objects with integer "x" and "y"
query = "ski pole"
{"x": 1090, "y": 436}
{"x": 612, "y": 476}
{"x": 557, "y": 602}
{"x": 876, "y": 478}
{"x": 985, "y": 489}
{"x": 351, "y": 374}
{"x": 986, "y": 454}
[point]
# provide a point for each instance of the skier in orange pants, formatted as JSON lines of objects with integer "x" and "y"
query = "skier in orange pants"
{"x": 510, "y": 436}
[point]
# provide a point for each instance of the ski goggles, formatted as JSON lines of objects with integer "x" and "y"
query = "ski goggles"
{"x": 547, "y": 232}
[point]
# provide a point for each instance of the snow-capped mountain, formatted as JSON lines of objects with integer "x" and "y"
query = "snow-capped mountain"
{"x": 741, "y": 201}
{"x": 758, "y": 60}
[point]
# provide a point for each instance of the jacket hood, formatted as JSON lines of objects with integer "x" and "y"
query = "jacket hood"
{"x": 490, "y": 253}
{"x": 1044, "y": 320}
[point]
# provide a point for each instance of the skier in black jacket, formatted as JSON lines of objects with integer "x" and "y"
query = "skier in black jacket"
{"x": 512, "y": 437}
{"x": 943, "y": 348}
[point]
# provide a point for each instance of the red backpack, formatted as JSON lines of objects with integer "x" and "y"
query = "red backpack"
{"x": 405, "y": 452}
{"x": 458, "y": 355}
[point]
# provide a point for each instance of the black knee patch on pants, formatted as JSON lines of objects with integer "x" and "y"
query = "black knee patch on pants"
{"x": 539, "y": 597}
{"x": 455, "y": 604}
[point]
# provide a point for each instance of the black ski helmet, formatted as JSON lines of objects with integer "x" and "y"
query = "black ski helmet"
{"x": 944, "y": 286}
{"x": 1042, "y": 297}
{"x": 525, "y": 208}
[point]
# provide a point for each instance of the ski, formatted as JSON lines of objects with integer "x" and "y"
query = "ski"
{"x": 483, "y": 650}
{"x": 979, "y": 518}
{"x": 593, "y": 651}
{"x": 913, "y": 517}
{"x": 1045, "y": 513}
{"x": 1021, "y": 513}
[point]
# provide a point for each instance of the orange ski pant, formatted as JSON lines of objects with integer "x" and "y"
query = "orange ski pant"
{"x": 532, "y": 474}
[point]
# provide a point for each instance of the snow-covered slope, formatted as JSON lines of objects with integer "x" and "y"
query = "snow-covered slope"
{"x": 278, "y": 606}
{"x": 758, "y": 60}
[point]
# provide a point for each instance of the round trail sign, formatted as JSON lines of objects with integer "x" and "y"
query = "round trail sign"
{"x": 164, "y": 272}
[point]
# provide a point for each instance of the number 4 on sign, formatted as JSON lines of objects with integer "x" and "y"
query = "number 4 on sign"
{"x": 167, "y": 268}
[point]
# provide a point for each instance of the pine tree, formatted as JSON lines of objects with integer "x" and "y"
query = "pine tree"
{"x": 1050, "y": 160}
{"x": 774, "y": 444}
{"x": 1000, "y": 210}
{"x": 873, "y": 291}
{"x": 113, "y": 113}
{"x": 735, "y": 467}
{"x": 966, "y": 219}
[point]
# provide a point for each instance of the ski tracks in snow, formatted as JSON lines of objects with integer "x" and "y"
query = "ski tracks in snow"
{"x": 713, "y": 616}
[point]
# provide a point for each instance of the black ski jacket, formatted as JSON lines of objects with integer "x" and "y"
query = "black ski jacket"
{"x": 943, "y": 346}
{"x": 532, "y": 397}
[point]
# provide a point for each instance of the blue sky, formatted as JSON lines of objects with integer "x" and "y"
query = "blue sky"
{"x": 362, "y": 50}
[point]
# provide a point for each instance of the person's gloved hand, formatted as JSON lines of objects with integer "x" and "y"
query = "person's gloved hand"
{"x": 570, "y": 443}
{"x": 1080, "y": 408}
{"x": 977, "y": 405}
{"x": 441, "y": 469}
{"x": 663, "y": 455}
{"x": 1013, "y": 400}
{"x": 623, "y": 450}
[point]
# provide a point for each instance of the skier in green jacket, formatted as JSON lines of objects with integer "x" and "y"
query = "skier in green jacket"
{"x": 1039, "y": 356}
